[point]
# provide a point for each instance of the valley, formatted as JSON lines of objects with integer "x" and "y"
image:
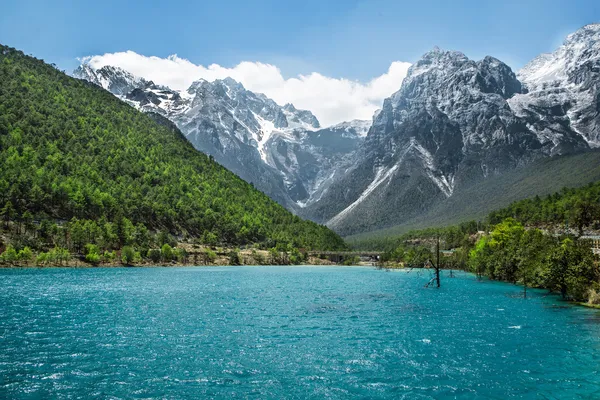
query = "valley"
{"x": 456, "y": 129}
{"x": 289, "y": 200}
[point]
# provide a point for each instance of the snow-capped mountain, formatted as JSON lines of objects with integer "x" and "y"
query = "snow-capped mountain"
{"x": 456, "y": 121}
{"x": 280, "y": 149}
{"x": 311, "y": 159}
{"x": 453, "y": 124}
{"x": 113, "y": 79}
{"x": 563, "y": 87}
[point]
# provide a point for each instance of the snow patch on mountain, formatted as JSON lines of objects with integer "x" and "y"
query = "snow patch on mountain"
{"x": 445, "y": 184}
{"x": 356, "y": 126}
{"x": 565, "y": 84}
{"x": 281, "y": 149}
{"x": 381, "y": 175}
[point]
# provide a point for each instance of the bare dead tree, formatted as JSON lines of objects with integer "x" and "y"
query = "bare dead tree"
{"x": 436, "y": 279}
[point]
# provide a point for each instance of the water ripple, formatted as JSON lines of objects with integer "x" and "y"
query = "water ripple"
{"x": 278, "y": 332}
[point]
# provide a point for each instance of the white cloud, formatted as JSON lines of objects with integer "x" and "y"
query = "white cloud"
{"x": 332, "y": 100}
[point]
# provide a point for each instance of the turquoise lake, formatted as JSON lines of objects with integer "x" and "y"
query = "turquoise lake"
{"x": 288, "y": 332}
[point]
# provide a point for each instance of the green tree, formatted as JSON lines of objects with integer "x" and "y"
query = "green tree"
{"x": 109, "y": 256}
{"x": 570, "y": 269}
{"x": 584, "y": 214}
{"x": 92, "y": 253}
{"x": 274, "y": 257}
{"x": 8, "y": 213}
{"x": 180, "y": 254}
{"x": 154, "y": 255}
{"x": 27, "y": 219}
{"x": 9, "y": 255}
{"x": 210, "y": 239}
{"x": 25, "y": 254}
{"x": 166, "y": 252}
{"x": 128, "y": 256}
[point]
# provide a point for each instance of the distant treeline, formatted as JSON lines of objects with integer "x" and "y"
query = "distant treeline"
{"x": 578, "y": 208}
{"x": 528, "y": 242}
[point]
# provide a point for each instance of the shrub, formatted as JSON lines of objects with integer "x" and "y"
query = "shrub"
{"x": 42, "y": 258}
{"x": 10, "y": 255}
{"x": 208, "y": 256}
{"x": 167, "y": 252}
{"x": 109, "y": 256}
{"x": 180, "y": 254}
{"x": 128, "y": 255}
{"x": 92, "y": 258}
{"x": 274, "y": 256}
{"x": 257, "y": 257}
{"x": 154, "y": 255}
{"x": 92, "y": 253}
{"x": 234, "y": 258}
{"x": 25, "y": 254}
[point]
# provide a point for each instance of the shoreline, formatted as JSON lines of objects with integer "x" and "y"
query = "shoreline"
{"x": 84, "y": 265}
{"x": 76, "y": 264}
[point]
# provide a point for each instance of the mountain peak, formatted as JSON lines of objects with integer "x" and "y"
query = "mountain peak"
{"x": 232, "y": 84}
{"x": 358, "y": 126}
{"x": 580, "y": 49}
{"x": 587, "y": 32}
{"x": 442, "y": 55}
{"x": 289, "y": 107}
{"x": 111, "y": 78}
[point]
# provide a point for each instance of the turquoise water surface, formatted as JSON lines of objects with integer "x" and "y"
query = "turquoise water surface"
{"x": 287, "y": 332}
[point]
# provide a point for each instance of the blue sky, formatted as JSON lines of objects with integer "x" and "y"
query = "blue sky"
{"x": 349, "y": 38}
{"x": 337, "y": 58}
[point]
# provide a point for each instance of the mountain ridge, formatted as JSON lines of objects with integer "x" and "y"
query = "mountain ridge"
{"x": 453, "y": 123}
{"x": 457, "y": 121}
{"x": 246, "y": 132}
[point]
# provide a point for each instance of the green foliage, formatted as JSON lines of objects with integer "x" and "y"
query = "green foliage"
{"x": 578, "y": 207}
{"x": 180, "y": 255}
{"x": 154, "y": 255}
{"x": 56, "y": 256}
{"x": 9, "y": 255}
{"x": 92, "y": 253}
{"x": 496, "y": 255}
{"x": 128, "y": 255}
{"x": 209, "y": 238}
{"x": 71, "y": 151}
{"x": 257, "y": 257}
{"x": 208, "y": 256}
{"x": 570, "y": 269}
{"x": 109, "y": 256}
{"x": 166, "y": 252}
{"x": 164, "y": 237}
{"x": 274, "y": 257}
{"x": 513, "y": 254}
{"x": 296, "y": 257}
{"x": 234, "y": 258}
{"x": 25, "y": 254}
{"x": 7, "y": 212}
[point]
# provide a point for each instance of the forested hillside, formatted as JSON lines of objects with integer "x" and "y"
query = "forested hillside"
{"x": 73, "y": 158}
{"x": 535, "y": 242}
{"x": 571, "y": 207}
